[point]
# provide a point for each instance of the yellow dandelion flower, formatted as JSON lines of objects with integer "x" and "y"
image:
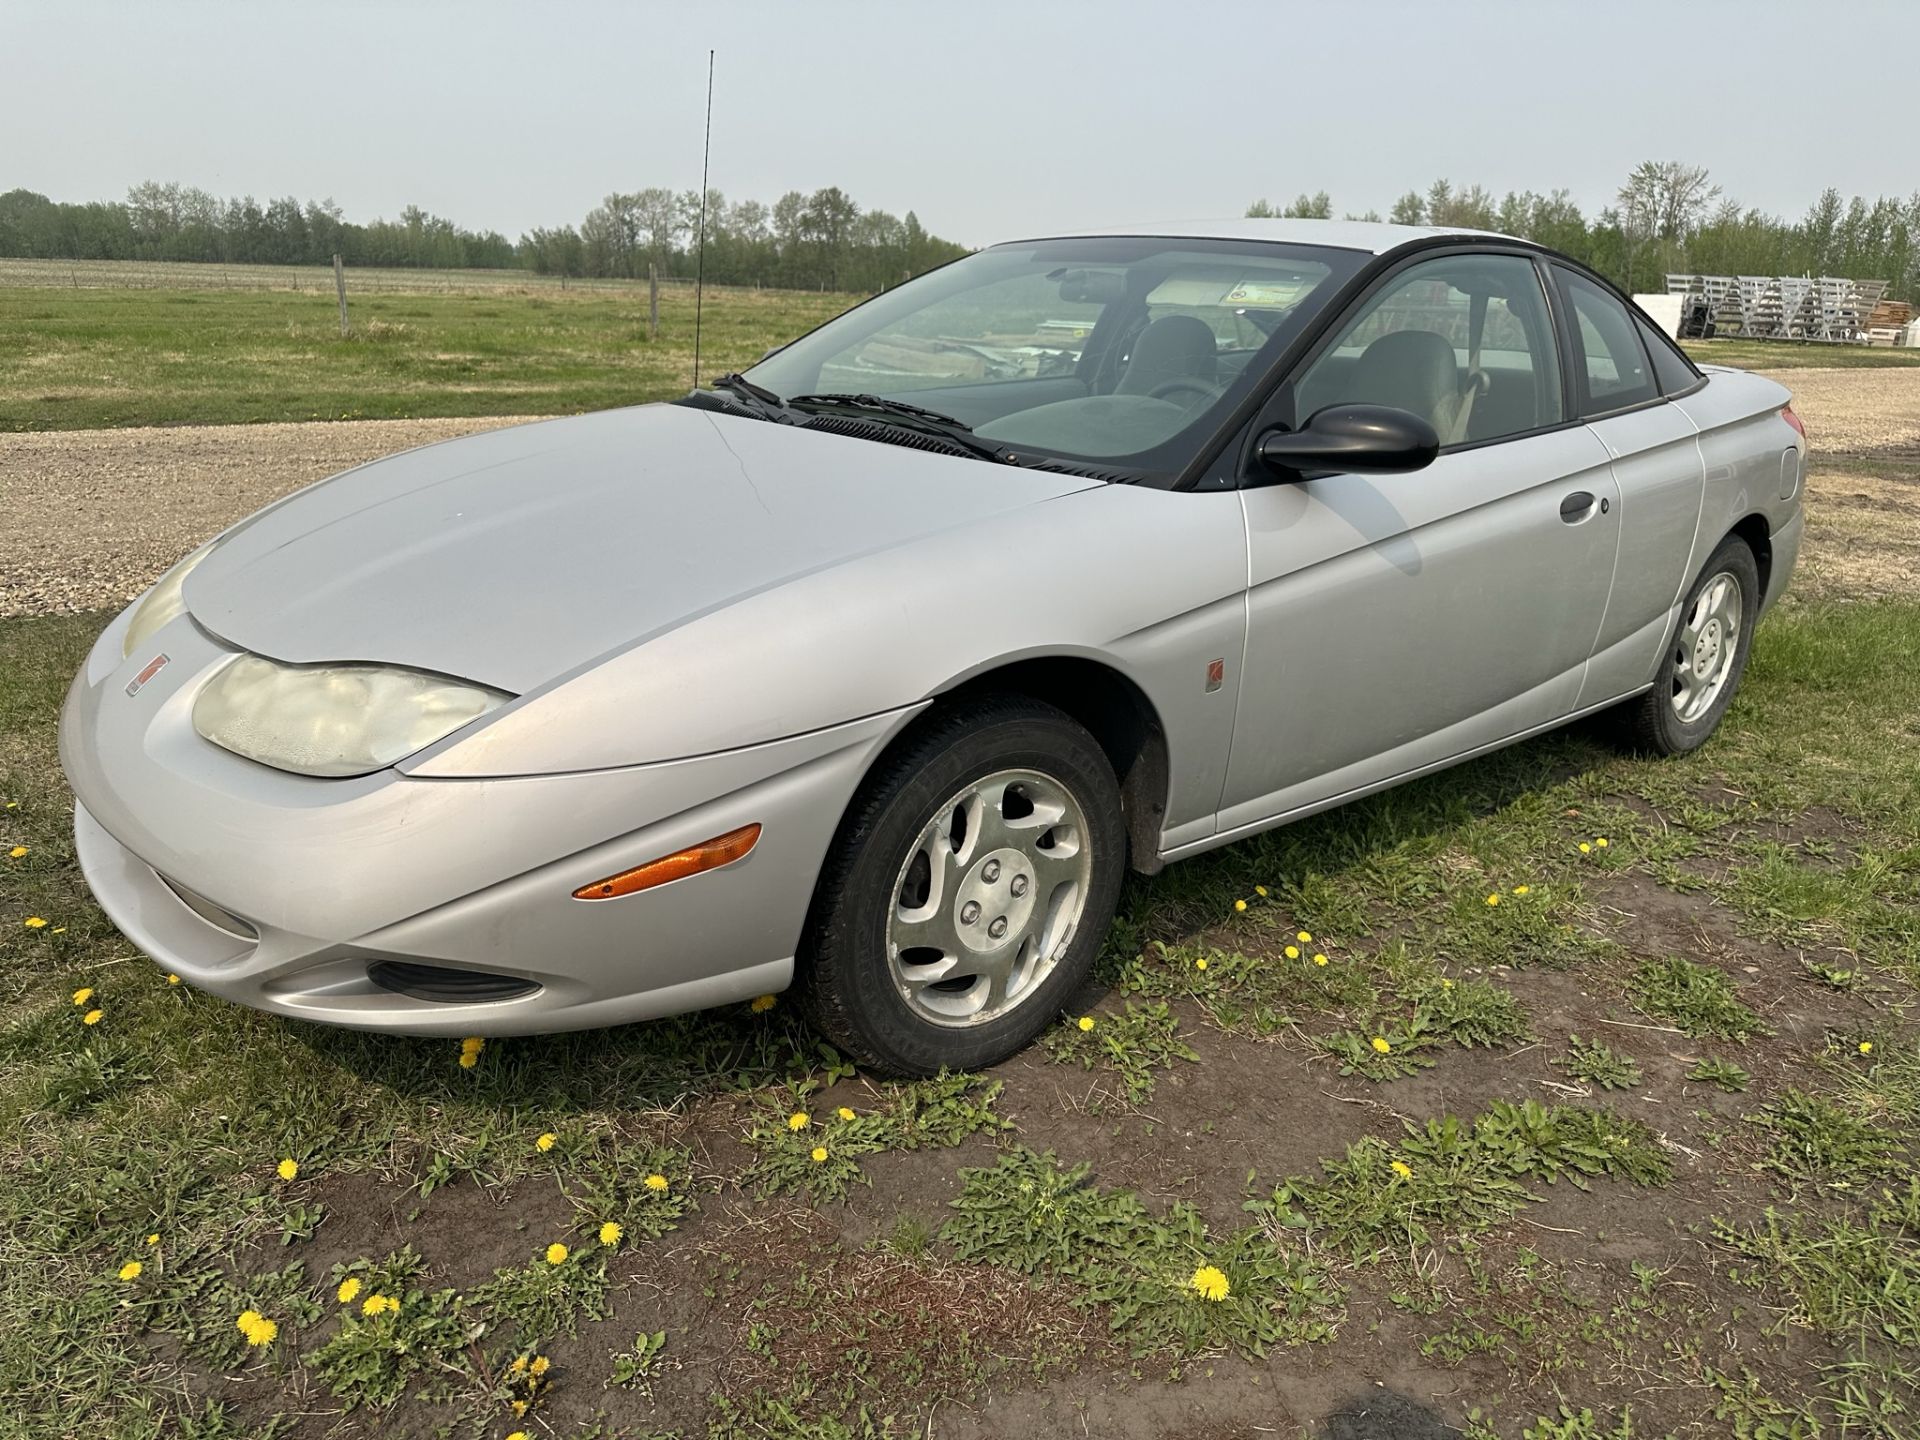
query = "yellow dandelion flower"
{"x": 1403, "y": 1170}
{"x": 349, "y": 1288}
{"x": 474, "y": 1043}
{"x": 1086, "y": 1022}
{"x": 1523, "y": 889}
{"x": 656, "y": 1182}
{"x": 1866, "y": 1047}
{"x": 1261, "y": 891}
{"x": 1292, "y": 952}
{"x": 1319, "y": 959}
{"x": 761, "y": 1004}
{"x": 819, "y": 1154}
{"x": 1381, "y": 1044}
{"x": 83, "y": 994}
{"x": 519, "y": 1407}
{"x": 263, "y": 1332}
{"x": 611, "y": 1232}
{"x": 539, "y": 1365}
{"x": 1201, "y": 963}
{"x": 16, "y": 852}
{"x": 1493, "y": 899}
{"x": 93, "y": 1017}
{"x": 1239, "y": 905}
{"x": 519, "y": 1366}
{"x": 845, "y": 1112}
{"x": 518, "y": 1434}
{"x": 1304, "y": 938}
{"x": 1446, "y": 984}
{"x": 172, "y": 979}
{"x": 154, "y": 1239}
{"x": 469, "y": 1059}
{"x": 799, "y": 1120}
{"x": 546, "y": 1142}
{"x": 287, "y": 1168}
{"x": 34, "y": 922}
{"x": 1585, "y": 849}
{"x": 556, "y": 1254}
{"x": 1601, "y": 843}
{"x": 131, "y": 1270}
{"x": 373, "y": 1305}
{"x": 1211, "y": 1283}
{"x": 247, "y": 1320}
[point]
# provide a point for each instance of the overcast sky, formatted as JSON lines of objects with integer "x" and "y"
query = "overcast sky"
{"x": 988, "y": 119}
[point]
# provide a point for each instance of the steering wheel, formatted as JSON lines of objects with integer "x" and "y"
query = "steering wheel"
{"x": 1167, "y": 389}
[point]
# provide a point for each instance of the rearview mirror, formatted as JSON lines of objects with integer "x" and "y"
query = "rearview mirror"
{"x": 1369, "y": 439}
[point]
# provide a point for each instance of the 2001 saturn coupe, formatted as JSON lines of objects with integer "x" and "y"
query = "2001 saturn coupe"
{"x": 872, "y": 670}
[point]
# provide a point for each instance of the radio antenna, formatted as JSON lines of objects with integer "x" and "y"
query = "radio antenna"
{"x": 700, "y": 263}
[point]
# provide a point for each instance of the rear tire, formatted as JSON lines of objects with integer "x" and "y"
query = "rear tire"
{"x": 968, "y": 891}
{"x": 1704, "y": 659}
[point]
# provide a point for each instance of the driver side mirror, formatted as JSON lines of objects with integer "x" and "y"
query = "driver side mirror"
{"x": 1368, "y": 439}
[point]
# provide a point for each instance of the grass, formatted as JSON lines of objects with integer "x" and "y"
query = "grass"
{"x": 941, "y": 1255}
{"x": 1797, "y": 354}
{"x": 78, "y": 359}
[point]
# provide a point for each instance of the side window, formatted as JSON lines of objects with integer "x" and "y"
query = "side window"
{"x": 1463, "y": 341}
{"x": 1610, "y": 362}
{"x": 1672, "y": 371}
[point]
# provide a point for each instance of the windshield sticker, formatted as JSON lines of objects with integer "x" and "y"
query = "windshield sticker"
{"x": 1265, "y": 294}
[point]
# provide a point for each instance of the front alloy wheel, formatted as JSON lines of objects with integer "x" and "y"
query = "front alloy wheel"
{"x": 988, "y": 898}
{"x": 968, "y": 890}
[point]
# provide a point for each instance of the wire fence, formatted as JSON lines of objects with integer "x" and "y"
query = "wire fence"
{"x": 190, "y": 275}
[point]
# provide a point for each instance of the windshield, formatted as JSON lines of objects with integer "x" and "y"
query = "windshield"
{"x": 1113, "y": 352}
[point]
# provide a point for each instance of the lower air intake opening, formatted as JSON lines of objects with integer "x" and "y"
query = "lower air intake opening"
{"x": 446, "y": 985}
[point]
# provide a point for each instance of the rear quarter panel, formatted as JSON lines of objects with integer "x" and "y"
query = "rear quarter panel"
{"x": 1755, "y": 461}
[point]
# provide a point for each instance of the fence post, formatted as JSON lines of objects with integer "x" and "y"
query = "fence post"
{"x": 340, "y": 288}
{"x": 653, "y": 301}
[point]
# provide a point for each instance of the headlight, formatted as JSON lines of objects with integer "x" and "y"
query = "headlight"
{"x": 333, "y": 719}
{"x": 163, "y": 602}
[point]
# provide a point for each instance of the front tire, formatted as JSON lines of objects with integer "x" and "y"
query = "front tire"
{"x": 1705, "y": 658}
{"x": 968, "y": 891}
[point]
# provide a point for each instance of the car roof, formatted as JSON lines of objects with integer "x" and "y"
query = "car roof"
{"x": 1371, "y": 236}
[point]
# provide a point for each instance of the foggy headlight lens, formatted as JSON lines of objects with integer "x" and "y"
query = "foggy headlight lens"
{"x": 333, "y": 719}
{"x": 163, "y": 602}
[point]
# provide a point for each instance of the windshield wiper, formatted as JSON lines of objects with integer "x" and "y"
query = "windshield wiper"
{"x": 742, "y": 395}
{"x": 882, "y": 405}
{"x": 740, "y": 385}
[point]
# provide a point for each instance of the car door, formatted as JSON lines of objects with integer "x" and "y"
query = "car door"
{"x": 1395, "y": 622}
{"x": 1620, "y": 385}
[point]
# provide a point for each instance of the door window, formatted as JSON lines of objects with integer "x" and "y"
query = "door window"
{"x": 1611, "y": 363}
{"x": 1463, "y": 342}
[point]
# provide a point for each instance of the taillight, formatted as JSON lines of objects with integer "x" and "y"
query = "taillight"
{"x": 1786, "y": 414}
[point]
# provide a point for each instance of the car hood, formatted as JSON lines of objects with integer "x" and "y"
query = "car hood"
{"x": 518, "y": 556}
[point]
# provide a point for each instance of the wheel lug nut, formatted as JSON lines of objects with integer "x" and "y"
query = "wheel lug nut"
{"x": 998, "y": 927}
{"x": 990, "y": 872}
{"x": 1019, "y": 886}
{"x": 969, "y": 912}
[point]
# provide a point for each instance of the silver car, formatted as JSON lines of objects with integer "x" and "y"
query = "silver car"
{"x": 869, "y": 672}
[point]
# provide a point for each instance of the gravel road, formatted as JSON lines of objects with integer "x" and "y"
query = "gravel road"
{"x": 92, "y": 517}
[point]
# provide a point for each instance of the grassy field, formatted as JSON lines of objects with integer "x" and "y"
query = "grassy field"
{"x": 1796, "y": 355}
{"x": 87, "y": 358}
{"x": 1628, "y": 1153}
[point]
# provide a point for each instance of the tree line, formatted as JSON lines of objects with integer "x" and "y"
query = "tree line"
{"x": 1669, "y": 217}
{"x": 818, "y": 241}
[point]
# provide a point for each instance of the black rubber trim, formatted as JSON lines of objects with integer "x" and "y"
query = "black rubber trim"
{"x": 445, "y": 985}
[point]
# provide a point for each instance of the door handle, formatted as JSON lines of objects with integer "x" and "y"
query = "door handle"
{"x": 1576, "y": 507}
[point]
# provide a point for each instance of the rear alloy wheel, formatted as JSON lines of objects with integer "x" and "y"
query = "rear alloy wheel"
{"x": 968, "y": 891}
{"x": 1705, "y": 658}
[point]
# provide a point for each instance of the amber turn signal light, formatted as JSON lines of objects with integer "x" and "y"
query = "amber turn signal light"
{"x": 707, "y": 855}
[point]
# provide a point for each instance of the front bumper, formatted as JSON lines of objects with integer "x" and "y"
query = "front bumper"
{"x": 279, "y": 891}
